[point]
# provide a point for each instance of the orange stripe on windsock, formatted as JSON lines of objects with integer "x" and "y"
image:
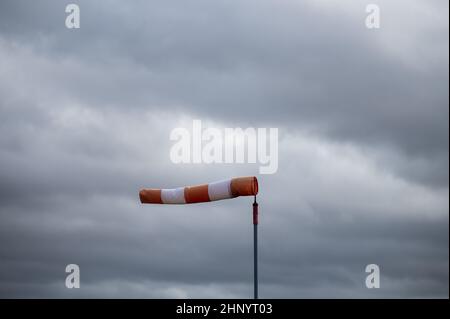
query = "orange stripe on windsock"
{"x": 196, "y": 194}
{"x": 150, "y": 196}
{"x": 225, "y": 189}
{"x": 244, "y": 186}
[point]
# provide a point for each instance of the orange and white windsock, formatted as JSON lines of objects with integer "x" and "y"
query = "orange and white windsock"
{"x": 229, "y": 188}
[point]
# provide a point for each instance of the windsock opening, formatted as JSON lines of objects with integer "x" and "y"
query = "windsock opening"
{"x": 225, "y": 189}
{"x": 244, "y": 186}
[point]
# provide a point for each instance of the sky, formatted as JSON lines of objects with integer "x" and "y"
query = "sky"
{"x": 363, "y": 122}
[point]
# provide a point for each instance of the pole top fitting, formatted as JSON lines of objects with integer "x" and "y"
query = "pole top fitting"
{"x": 255, "y": 212}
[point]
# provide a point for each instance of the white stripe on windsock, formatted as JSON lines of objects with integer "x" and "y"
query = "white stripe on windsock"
{"x": 219, "y": 190}
{"x": 173, "y": 196}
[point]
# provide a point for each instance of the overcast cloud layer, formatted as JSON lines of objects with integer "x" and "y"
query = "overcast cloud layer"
{"x": 85, "y": 118}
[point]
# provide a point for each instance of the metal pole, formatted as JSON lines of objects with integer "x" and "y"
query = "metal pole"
{"x": 255, "y": 248}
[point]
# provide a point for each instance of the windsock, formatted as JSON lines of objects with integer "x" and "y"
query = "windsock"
{"x": 229, "y": 188}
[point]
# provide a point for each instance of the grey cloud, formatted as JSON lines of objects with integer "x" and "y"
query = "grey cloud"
{"x": 242, "y": 63}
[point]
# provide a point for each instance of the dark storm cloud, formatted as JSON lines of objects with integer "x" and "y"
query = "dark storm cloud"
{"x": 220, "y": 60}
{"x": 85, "y": 120}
